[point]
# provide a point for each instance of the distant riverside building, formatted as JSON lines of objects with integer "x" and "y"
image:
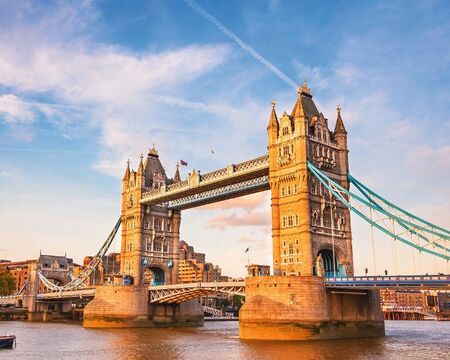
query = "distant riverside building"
{"x": 258, "y": 270}
{"x": 20, "y": 270}
{"x": 194, "y": 268}
{"x": 190, "y": 271}
{"x": 403, "y": 298}
{"x": 213, "y": 273}
{"x": 56, "y": 268}
{"x": 400, "y": 304}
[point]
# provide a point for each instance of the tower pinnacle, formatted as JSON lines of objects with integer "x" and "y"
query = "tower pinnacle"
{"x": 273, "y": 120}
{"x": 339, "y": 128}
{"x": 177, "y": 177}
{"x": 127, "y": 171}
{"x": 153, "y": 152}
{"x": 141, "y": 166}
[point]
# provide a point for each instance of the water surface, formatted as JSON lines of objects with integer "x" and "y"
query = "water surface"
{"x": 218, "y": 340}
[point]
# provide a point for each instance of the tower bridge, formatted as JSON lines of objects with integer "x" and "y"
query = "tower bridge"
{"x": 314, "y": 292}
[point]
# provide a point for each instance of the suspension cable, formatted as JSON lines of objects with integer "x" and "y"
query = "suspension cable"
{"x": 85, "y": 274}
{"x": 332, "y": 233}
{"x": 338, "y": 191}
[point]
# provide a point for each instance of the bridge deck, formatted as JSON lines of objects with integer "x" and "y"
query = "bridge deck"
{"x": 182, "y": 292}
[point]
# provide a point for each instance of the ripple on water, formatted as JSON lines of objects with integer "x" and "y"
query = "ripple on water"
{"x": 218, "y": 340}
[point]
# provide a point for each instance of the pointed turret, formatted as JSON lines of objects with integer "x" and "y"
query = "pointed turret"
{"x": 339, "y": 128}
{"x": 273, "y": 120}
{"x": 298, "y": 110}
{"x": 127, "y": 171}
{"x": 141, "y": 166}
{"x": 177, "y": 177}
{"x": 274, "y": 126}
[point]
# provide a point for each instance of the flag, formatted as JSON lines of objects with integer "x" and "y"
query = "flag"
{"x": 184, "y": 163}
{"x": 247, "y": 250}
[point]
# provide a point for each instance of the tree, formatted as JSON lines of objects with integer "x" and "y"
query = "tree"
{"x": 7, "y": 283}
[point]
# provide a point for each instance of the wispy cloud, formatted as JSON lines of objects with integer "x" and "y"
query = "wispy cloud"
{"x": 213, "y": 20}
{"x": 248, "y": 203}
{"x": 14, "y": 111}
{"x": 256, "y": 218}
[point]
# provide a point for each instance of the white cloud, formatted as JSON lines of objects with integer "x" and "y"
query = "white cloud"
{"x": 313, "y": 75}
{"x": 14, "y": 111}
{"x": 106, "y": 74}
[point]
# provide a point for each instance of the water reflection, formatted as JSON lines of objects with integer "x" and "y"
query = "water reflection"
{"x": 218, "y": 340}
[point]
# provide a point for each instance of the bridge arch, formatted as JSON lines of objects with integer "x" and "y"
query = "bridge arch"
{"x": 156, "y": 274}
{"x": 324, "y": 262}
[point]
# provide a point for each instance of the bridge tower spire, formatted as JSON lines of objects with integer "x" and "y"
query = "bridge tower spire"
{"x": 150, "y": 234}
{"x": 311, "y": 231}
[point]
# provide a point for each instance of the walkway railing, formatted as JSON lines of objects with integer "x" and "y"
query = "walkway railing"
{"x": 404, "y": 281}
{"x": 198, "y": 183}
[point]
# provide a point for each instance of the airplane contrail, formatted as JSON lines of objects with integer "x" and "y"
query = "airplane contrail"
{"x": 241, "y": 44}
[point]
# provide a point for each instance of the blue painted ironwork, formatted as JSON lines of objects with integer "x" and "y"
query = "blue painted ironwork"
{"x": 402, "y": 281}
{"x": 344, "y": 195}
{"x": 222, "y": 193}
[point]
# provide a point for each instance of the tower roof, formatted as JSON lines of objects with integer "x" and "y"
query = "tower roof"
{"x": 305, "y": 105}
{"x": 339, "y": 128}
{"x": 152, "y": 165}
{"x": 273, "y": 120}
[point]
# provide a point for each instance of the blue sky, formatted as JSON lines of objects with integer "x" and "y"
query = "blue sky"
{"x": 85, "y": 85}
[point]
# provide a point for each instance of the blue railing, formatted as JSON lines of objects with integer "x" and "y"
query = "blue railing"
{"x": 389, "y": 281}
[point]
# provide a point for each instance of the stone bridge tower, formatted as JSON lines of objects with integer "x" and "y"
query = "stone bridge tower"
{"x": 150, "y": 234}
{"x": 310, "y": 230}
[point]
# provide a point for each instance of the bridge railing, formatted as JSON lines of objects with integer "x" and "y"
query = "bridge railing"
{"x": 391, "y": 279}
{"x": 221, "y": 284}
{"x": 67, "y": 294}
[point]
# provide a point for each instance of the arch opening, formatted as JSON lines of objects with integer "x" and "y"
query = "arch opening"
{"x": 153, "y": 276}
{"x": 329, "y": 265}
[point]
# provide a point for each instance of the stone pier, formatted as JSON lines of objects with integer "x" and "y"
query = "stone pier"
{"x": 301, "y": 308}
{"x": 127, "y": 306}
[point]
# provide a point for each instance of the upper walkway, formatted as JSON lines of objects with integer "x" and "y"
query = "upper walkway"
{"x": 226, "y": 183}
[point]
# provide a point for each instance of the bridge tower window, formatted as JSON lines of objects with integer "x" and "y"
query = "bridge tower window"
{"x": 157, "y": 224}
{"x": 157, "y": 246}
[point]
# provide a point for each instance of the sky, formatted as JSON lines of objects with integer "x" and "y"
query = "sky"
{"x": 86, "y": 85}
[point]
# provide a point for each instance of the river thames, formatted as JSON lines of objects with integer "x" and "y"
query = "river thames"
{"x": 218, "y": 340}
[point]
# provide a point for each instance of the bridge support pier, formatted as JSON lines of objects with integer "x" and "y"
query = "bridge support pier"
{"x": 128, "y": 306}
{"x": 301, "y": 308}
